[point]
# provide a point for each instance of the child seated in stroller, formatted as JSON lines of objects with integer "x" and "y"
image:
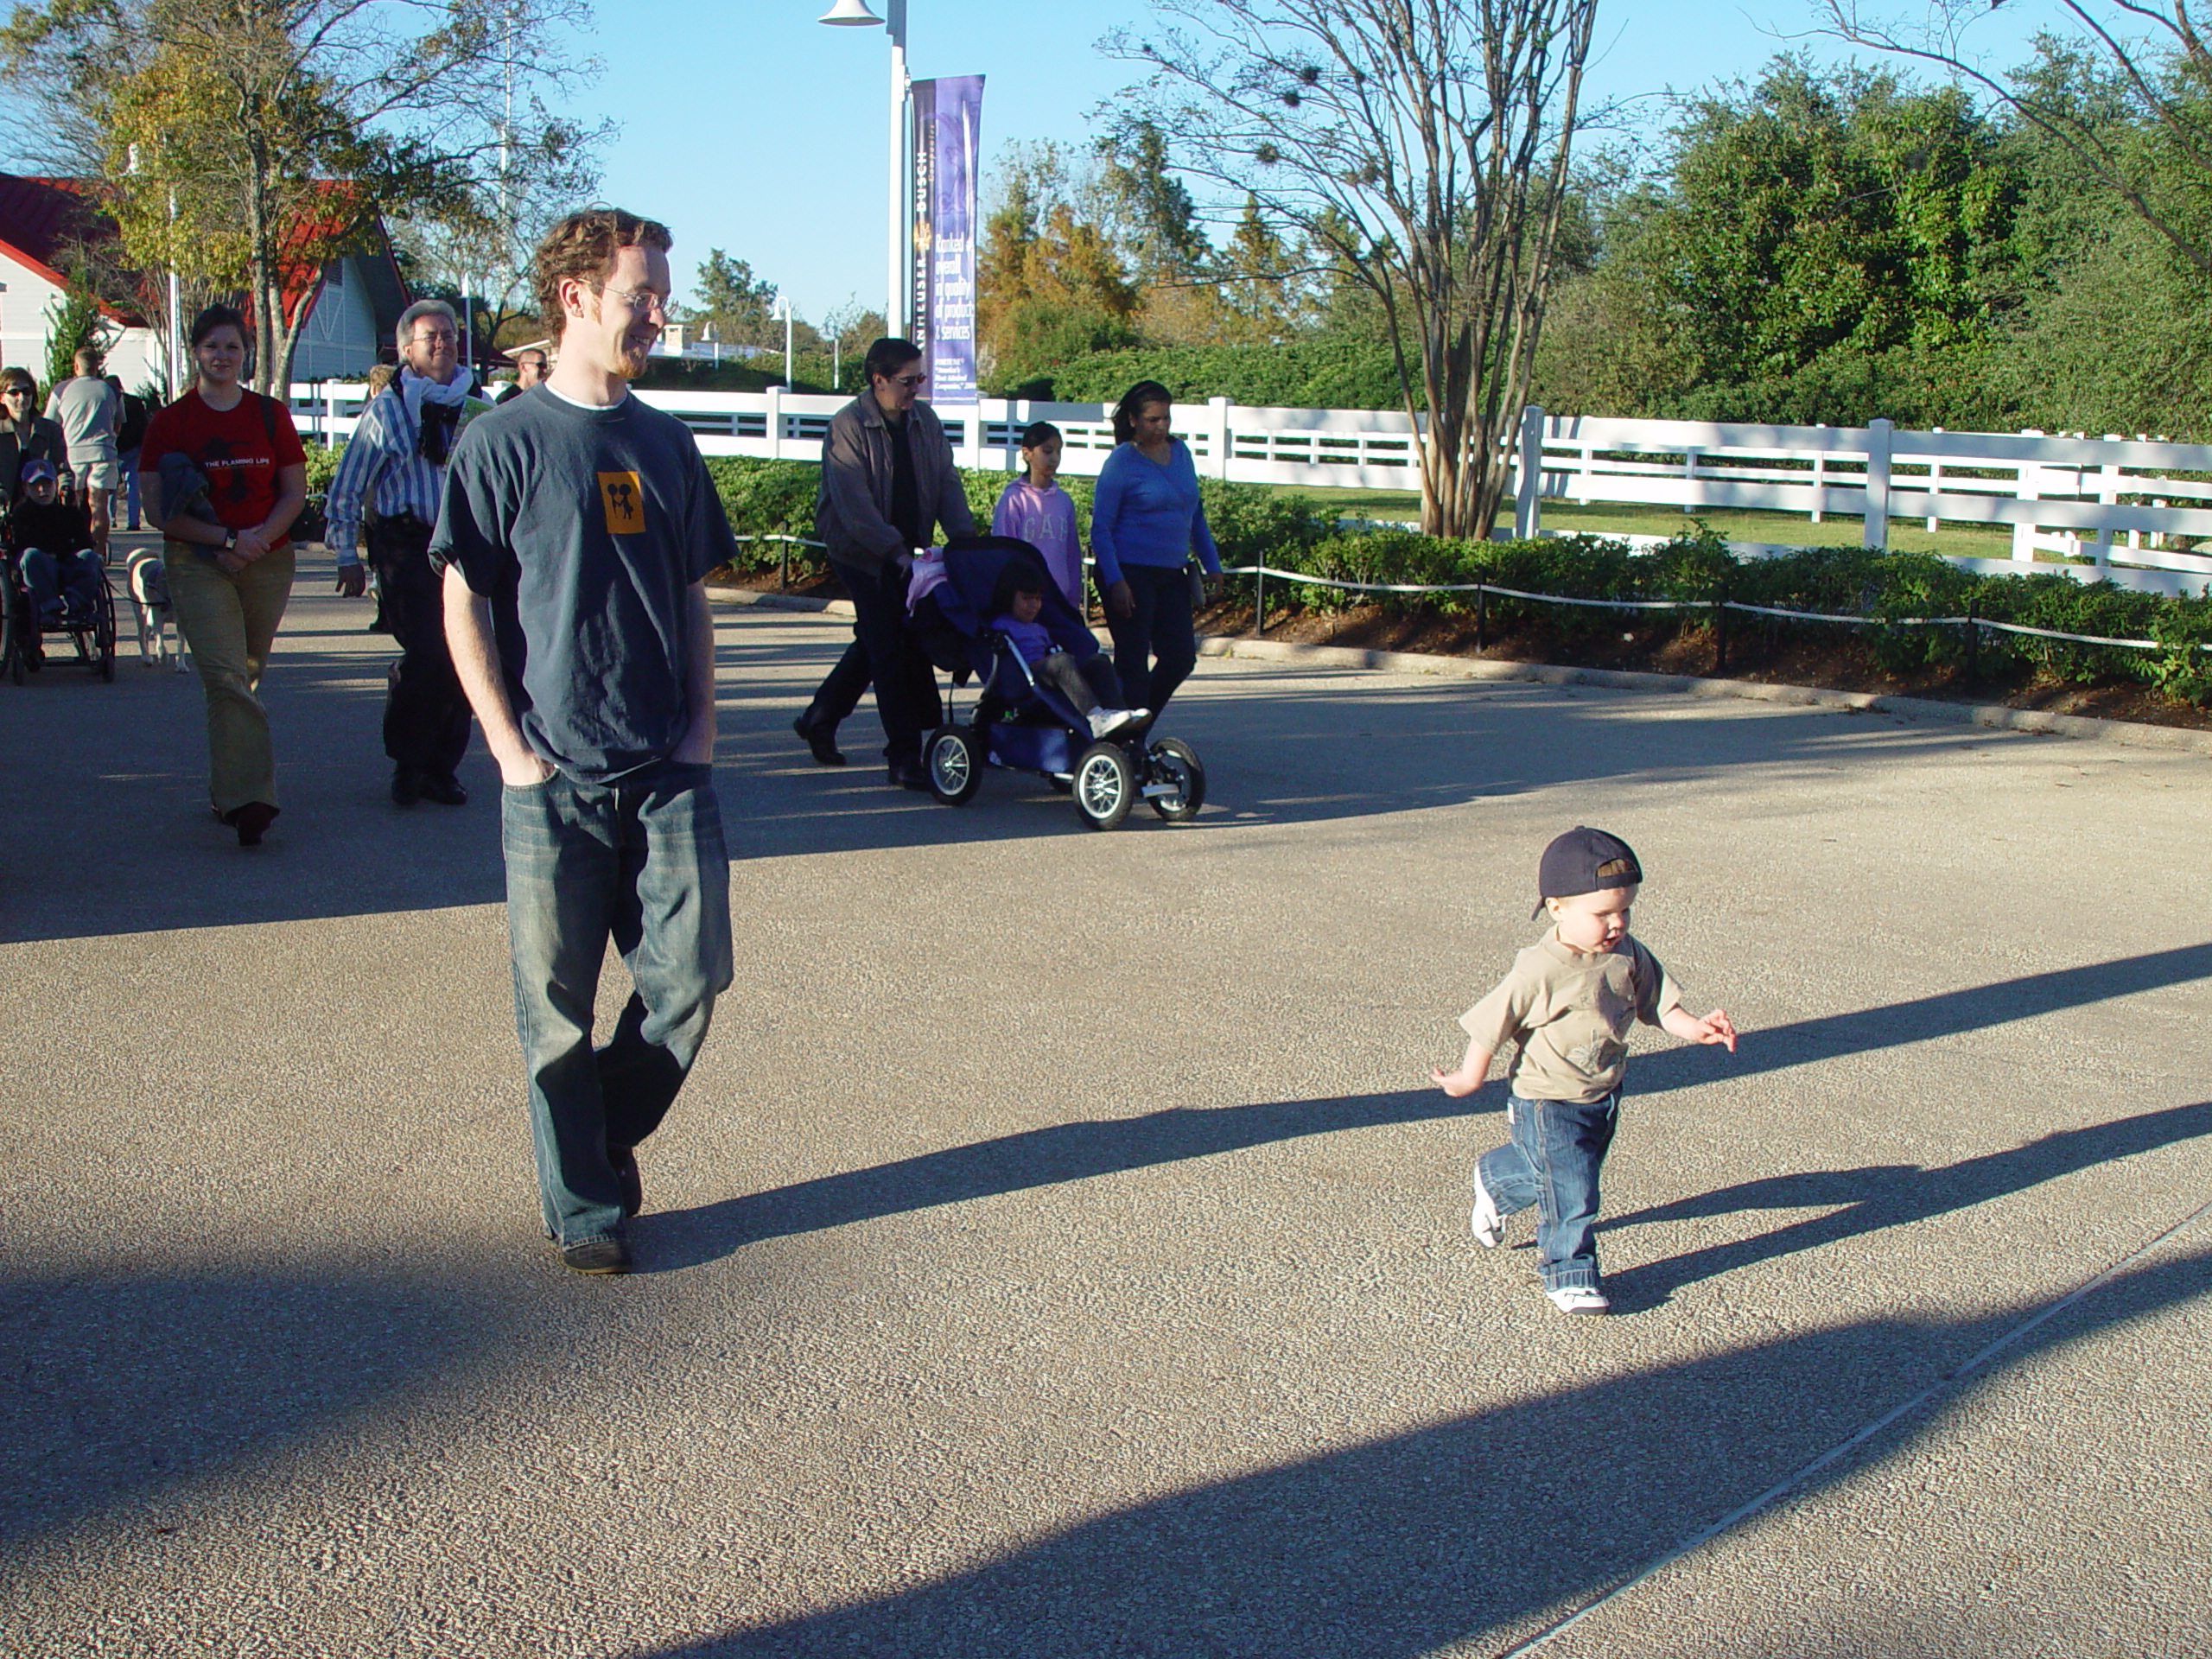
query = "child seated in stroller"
{"x": 51, "y": 542}
{"x": 1090, "y": 683}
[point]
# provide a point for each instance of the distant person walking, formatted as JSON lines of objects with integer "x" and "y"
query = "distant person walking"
{"x": 393, "y": 473}
{"x": 529, "y": 371}
{"x": 578, "y": 529}
{"x": 888, "y": 484}
{"x": 1146, "y": 522}
{"x": 89, "y": 412}
{"x": 225, "y": 478}
{"x": 130, "y": 438}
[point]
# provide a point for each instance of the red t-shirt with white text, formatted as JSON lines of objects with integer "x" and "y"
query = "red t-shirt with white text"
{"x": 231, "y": 447}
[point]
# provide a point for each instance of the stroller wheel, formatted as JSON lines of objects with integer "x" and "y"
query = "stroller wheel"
{"x": 1175, "y": 762}
{"x": 953, "y": 758}
{"x": 1105, "y": 785}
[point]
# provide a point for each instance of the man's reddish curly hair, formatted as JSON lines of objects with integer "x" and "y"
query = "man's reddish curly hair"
{"x": 583, "y": 247}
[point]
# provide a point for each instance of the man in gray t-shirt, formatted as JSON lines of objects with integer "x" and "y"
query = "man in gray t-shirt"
{"x": 573, "y": 541}
{"x": 86, "y": 409}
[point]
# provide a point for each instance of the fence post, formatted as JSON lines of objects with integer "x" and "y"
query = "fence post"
{"x": 775, "y": 432}
{"x": 1820, "y": 483}
{"x": 2028, "y": 486}
{"x": 1528, "y": 487}
{"x": 1934, "y": 484}
{"x": 1689, "y": 477}
{"x": 1877, "y": 533}
{"x": 1217, "y": 434}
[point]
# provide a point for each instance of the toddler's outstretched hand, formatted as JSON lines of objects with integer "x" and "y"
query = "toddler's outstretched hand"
{"x": 1716, "y": 1028}
{"x": 1457, "y": 1085}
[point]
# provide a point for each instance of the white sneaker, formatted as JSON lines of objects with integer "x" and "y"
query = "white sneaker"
{"x": 1580, "y": 1299}
{"x": 1104, "y": 723}
{"x": 1490, "y": 1226}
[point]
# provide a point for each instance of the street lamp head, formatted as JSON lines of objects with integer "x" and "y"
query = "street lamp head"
{"x": 850, "y": 14}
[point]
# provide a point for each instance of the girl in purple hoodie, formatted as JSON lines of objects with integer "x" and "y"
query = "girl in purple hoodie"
{"x": 1034, "y": 509}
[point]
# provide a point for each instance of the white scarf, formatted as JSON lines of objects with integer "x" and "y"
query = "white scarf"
{"x": 415, "y": 387}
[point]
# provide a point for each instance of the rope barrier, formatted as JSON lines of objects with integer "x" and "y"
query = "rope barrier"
{"x": 1303, "y": 579}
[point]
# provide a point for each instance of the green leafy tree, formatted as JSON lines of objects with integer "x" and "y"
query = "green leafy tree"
{"x": 1421, "y": 147}
{"x": 245, "y": 146}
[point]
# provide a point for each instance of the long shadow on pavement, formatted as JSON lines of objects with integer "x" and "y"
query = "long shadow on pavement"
{"x": 1921, "y": 1019}
{"x": 1886, "y": 1195}
{"x": 1013, "y": 1163}
{"x": 119, "y": 1386}
{"x": 1078, "y": 1151}
{"x": 1479, "y": 1526}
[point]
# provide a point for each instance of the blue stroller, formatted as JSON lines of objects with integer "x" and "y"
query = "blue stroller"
{"x": 1020, "y": 723}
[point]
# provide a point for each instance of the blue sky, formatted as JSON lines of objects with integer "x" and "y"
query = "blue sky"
{"x": 749, "y": 127}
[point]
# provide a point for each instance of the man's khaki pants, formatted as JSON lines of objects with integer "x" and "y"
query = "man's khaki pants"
{"x": 229, "y": 620}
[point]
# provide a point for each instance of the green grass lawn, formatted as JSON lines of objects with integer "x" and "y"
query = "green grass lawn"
{"x": 1625, "y": 518}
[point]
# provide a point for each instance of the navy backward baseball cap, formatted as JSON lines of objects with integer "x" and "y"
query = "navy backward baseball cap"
{"x": 1570, "y": 866}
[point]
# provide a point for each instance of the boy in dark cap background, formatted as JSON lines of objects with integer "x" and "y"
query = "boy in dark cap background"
{"x": 1568, "y": 1006}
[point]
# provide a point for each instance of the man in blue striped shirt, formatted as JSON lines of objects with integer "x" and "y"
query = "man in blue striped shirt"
{"x": 393, "y": 476}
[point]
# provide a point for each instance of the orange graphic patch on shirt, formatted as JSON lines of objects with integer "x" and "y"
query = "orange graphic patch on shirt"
{"x": 624, "y": 498}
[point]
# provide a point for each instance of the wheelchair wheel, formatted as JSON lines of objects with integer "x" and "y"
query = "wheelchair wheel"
{"x": 11, "y": 628}
{"x": 1105, "y": 785}
{"x": 103, "y": 633}
{"x": 1174, "y": 761}
{"x": 953, "y": 758}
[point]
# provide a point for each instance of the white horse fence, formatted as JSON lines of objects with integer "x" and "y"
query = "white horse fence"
{"x": 2099, "y": 509}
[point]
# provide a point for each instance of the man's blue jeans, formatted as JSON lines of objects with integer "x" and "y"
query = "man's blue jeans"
{"x": 641, "y": 862}
{"x": 1553, "y": 1161}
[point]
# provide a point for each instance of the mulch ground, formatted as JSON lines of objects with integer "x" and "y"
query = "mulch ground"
{"x": 1840, "y": 663}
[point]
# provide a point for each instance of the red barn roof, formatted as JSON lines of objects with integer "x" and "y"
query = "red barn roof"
{"x": 41, "y": 219}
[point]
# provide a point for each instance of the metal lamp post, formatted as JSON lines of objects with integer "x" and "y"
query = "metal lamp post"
{"x": 854, "y": 14}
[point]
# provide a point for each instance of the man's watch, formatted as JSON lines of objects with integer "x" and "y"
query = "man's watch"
{"x": 229, "y": 541}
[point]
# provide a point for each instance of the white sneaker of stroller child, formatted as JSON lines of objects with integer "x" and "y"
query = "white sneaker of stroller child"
{"x": 1104, "y": 723}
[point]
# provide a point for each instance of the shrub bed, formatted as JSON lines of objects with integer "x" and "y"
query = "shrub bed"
{"x": 1295, "y": 533}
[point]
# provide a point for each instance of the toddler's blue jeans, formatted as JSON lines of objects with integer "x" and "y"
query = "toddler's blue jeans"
{"x": 1552, "y": 1162}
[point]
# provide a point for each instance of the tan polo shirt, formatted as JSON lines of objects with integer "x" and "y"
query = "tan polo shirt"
{"x": 1570, "y": 1014}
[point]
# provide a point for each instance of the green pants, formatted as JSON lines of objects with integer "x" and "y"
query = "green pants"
{"x": 229, "y": 620}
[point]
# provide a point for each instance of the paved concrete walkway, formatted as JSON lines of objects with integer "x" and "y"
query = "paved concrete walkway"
{"x": 1058, "y": 1250}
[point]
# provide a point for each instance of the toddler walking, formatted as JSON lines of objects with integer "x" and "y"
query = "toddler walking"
{"x": 1568, "y": 1006}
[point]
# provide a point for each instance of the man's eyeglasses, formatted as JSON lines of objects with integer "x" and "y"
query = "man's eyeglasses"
{"x": 641, "y": 299}
{"x": 910, "y": 380}
{"x": 436, "y": 337}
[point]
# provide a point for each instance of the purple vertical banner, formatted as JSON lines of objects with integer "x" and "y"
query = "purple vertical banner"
{"x": 948, "y": 117}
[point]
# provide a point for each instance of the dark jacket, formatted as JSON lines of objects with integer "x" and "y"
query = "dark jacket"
{"x": 59, "y": 527}
{"x": 852, "y": 512}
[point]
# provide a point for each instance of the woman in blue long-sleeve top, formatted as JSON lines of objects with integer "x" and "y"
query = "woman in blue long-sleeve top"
{"x": 1145, "y": 524}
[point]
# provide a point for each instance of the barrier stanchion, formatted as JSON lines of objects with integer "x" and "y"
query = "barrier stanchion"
{"x": 1720, "y": 635}
{"x": 1482, "y": 618}
{"x": 1974, "y": 639}
{"x": 1259, "y": 601}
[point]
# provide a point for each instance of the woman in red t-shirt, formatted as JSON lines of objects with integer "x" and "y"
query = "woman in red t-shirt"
{"x": 235, "y": 477}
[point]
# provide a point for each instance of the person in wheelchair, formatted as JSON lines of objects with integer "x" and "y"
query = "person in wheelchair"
{"x": 1057, "y": 658}
{"x": 51, "y": 540}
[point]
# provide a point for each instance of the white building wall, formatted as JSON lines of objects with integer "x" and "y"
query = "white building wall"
{"x": 339, "y": 341}
{"x": 135, "y": 356}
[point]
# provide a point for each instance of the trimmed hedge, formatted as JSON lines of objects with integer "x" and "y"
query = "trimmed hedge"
{"x": 1253, "y": 525}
